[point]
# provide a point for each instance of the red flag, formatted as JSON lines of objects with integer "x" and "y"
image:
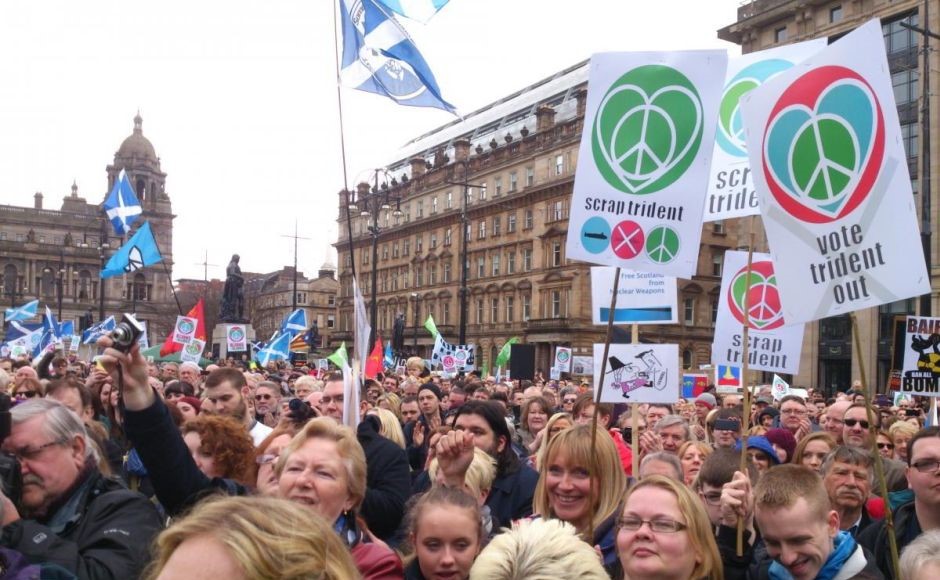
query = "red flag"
{"x": 374, "y": 362}
{"x": 196, "y": 312}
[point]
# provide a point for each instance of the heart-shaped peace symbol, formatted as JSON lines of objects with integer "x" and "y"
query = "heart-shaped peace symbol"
{"x": 647, "y": 129}
{"x": 730, "y": 134}
{"x": 824, "y": 144}
{"x": 763, "y": 298}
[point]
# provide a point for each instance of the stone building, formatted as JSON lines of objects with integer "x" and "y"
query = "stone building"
{"x": 829, "y": 359}
{"x": 56, "y": 255}
{"x": 268, "y": 299}
{"x": 504, "y": 175}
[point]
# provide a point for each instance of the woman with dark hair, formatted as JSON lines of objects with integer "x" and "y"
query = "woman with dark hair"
{"x": 535, "y": 413}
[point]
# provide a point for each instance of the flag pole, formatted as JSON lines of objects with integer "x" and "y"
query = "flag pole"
{"x": 172, "y": 288}
{"x": 879, "y": 464}
{"x": 342, "y": 140}
{"x": 635, "y": 416}
{"x": 746, "y": 415}
{"x": 599, "y": 387}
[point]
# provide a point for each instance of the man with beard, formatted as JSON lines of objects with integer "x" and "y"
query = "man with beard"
{"x": 227, "y": 394}
{"x": 847, "y": 475}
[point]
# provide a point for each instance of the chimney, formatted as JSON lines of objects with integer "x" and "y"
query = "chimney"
{"x": 37, "y": 200}
{"x": 362, "y": 191}
{"x": 581, "y": 95}
{"x": 461, "y": 150}
{"x": 544, "y": 118}
{"x": 418, "y": 166}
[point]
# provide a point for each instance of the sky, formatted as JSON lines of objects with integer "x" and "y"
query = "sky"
{"x": 240, "y": 102}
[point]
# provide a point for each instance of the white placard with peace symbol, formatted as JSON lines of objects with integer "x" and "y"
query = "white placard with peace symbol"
{"x": 825, "y": 147}
{"x": 643, "y": 162}
{"x": 774, "y": 345}
{"x": 185, "y": 329}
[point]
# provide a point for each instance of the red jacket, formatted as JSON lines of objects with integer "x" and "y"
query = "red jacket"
{"x": 623, "y": 449}
{"x": 377, "y": 562}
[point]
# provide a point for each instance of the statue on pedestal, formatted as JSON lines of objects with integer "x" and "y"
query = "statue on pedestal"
{"x": 233, "y": 298}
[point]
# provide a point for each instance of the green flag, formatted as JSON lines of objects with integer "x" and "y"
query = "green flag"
{"x": 503, "y": 356}
{"x": 429, "y": 324}
{"x": 340, "y": 358}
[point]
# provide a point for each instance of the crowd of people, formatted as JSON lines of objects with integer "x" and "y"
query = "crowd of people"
{"x": 124, "y": 468}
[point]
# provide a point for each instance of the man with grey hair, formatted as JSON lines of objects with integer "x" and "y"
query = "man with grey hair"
{"x": 847, "y": 475}
{"x": 192, "y": 374}
{"x": 661, "y": 463}
{"x": 668, "y": 435}
{"x": 72, "y": 515}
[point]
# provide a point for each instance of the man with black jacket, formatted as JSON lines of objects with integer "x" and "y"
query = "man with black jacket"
{"x": 72, "y": 515}
{"x": 388, "y": 482}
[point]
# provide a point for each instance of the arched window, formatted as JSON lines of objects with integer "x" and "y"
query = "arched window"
{"x": 141, "y": 189}
{"x": 47, "y": 282}
{"x": 687, "y": 358}
{"x": 10, "y": 279}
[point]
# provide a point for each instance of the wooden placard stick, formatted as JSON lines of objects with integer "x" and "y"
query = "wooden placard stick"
{"x": 746, "y": 418}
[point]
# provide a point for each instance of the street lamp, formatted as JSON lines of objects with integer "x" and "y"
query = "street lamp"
{"x": 371, "y": 205}
{"x": 101, "y": 248}
{"x": 11, "y": 288}
{"x": 414, "y": 298}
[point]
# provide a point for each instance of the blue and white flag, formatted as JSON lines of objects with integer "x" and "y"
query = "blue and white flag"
{"x": 16, "y": 329}
{"x": 389, "y": 359}
{"x": 294, "y": 322}
{"x": 66, "y": 328}
{"x": 420, "y": 10}
{"x": 379, "y": 57}
{"x": 122, "y": 205}
{"x": 139, "y": 251}
{"x": 102, "y": 328}
{"x": 50, "y": 324}
{"x": 278, "y": 349}
{"x": 24, "y": 312}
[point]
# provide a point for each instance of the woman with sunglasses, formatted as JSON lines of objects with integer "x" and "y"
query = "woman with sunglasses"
{"x": 26, "y": 389}
{"x": 664, "y": 532}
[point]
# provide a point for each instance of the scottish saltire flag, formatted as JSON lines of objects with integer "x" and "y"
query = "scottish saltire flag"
{"x": 104, "y": 327}
{"x": 420, "y": 10}
{"x": 66, "y": 328}
{"x": 379, "y": 57}
{"x": 139, "y": 251}
{"x": 50, "y": 324}
{"x": 294, "y": 322}
{"x": 121, "y": 205}
{"x": 16, "y": 329}
{"x": 389, "y": 358}
{"x": 24, "y": 312}
{"x": 278, "y": 349}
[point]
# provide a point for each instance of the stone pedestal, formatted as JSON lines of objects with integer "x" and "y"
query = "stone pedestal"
{"x": 219, "y": 344}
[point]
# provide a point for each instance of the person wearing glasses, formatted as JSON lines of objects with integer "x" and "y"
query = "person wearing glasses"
{"x": 916, "y": 517}
{"x": 69, "y": 513}
{"x": 267, "y": 403}
{"x": 27, "y": 389}
{"x": 664, "y": 532}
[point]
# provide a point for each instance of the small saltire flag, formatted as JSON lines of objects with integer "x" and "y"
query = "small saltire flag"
{"x": 379, "y": 57}
{"x": 430, "y": 326}
{"x": 374, "y": 362}
{"x": 340, "y": 358}
{"x": 389, "y": 359}
{"x": 278, "y": 349}
{"x": 420, "y": 10}
{"x": 46, "y": 341}
{"x": 24, "y": 312}
{"x": 50, "y": 324}
{"x": 122, "y": 205}
{"x": 294, "y": 322}
{"x": 139, "y": 251}
{"x": 94, "y": 332}
{"x": 503, "y": 357}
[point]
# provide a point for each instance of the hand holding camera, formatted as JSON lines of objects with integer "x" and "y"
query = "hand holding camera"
{"x": 122, "y": 353}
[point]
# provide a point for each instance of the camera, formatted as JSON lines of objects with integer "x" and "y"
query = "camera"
{"x": 126, "y": 333}
{"x": 301, "y": 411}
{"x": 10, "y": 475}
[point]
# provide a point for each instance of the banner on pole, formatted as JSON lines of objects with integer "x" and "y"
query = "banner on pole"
{"x": 236, "y": 338}
{"x": 192, "y": 352}
{"x": 185, "y": 329}
{"x": 562, "y": 359}
{"x": 643, "y": 162}
{"x": 774, "y": 346}
{"x": 831, "y": 172}
{"x": 921, "y": 372}
{"x": 642, "y": 297}
{"x": 637, "y": 373}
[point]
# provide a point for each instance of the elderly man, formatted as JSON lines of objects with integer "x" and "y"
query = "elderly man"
{"x": 833, "y": 422}
{"x": 847, "y": 475}
{"x": 169, "y": 371}
{"x": 668, "y": 435}
{"x": 191, "y": 373}
{"x": 71, "y": 514}
{"x": 267, "y": 402}
{"x": 23, "y": 373}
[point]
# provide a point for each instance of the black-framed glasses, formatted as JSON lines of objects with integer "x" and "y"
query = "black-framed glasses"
{"x": 263, "y": 397}
{"x": 850, "y": 423}
{"x": 566, "y": 400}
{"x": 658, "y": 526}
{"x": 27, "y": 394}
{"x": 886, "y": 446}
{"x": 29, "y": 454}
{"x": 926, "y": 465}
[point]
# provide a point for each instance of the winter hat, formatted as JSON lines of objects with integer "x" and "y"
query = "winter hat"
{"x": 768, "y": 411}
{"x": 782, "y": 438}
{"x": 433, "y": 388}
{"x": 761, "y": 443}
{"x": 706, "y": 399}
{"x": 193, "y": 401}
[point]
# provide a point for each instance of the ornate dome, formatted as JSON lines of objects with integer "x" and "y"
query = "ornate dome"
{"x": 137, "y": 145}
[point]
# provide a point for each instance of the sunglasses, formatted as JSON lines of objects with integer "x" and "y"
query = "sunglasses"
{"x": 853, "y": 422}
{"x": 27, "y": 394}
{"x": 885, "y": 446}
{"x": 263, "y": 397}
{"x": 570, "y": 400}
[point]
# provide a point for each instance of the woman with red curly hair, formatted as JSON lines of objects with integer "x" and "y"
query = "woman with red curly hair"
{"x": 221, "y": 447}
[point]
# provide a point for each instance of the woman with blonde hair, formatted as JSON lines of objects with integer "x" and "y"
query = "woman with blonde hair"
{"x": 812, "y": 449}
{"x": 250, "y": 537}
{"x": 392, "y": 402}
{"x": 664, "y": 532}
{"x": 583, "y": 486}
{"x": 692, "y": 455}
{"x": 446, "y": 532}
{"x": 391, "y": 427}
{"x": 901, "y": 432}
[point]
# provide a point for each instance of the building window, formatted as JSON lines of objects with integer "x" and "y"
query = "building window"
{"x": 527, "y": 259}
{"x": 432, "y": 244}
{"x": 905, "y": 84}
{"x": 331, "y": 300}
{"x": 445, "y": 312}
{"x": 395, "y": 251}
{"x": 385, "y": 251}
{"x": 446, "y": 272}
{"x": 688, "y": 311}
{"x": 419, "y": 243}
{"x": 433, "y": 205}
{"x": 497, "y": 187}
{"x": 447, "y": 240}
{"x": 687, "y": 358}
{"x": 835, "y": 14}
{"x": 780, "y": 34}
{"x": 405, "y": 247}
{"x": 526, "y": 307}
{"x": 494, "y": 310}
{"x": 419, "y": 274}
{"x": 513, "y": 181}
{"x": 479, "y": 311}
{"x": 511, "y": 223}
{"x": 510, "y": 262}
{"x": 718, "y": 260}
{"x": 481, "y": 267}
{"x": 407, "y": 211}
{"x": 432, "y": 274}
{"x": 330, "y": 321}
{"x": 557, "y": 211}
{"x": 559, "y": 164}
{"x": 909, "y": 138}
{"x": 556, "y": 254}
{"x": 510, "y": 309}
{"x": 898, "y": 38}
{"x": 527, "y": 224}
{"x": 448, "y": 200}
{"x": 718, "y": 227}
{"x": 420, "y": 212}
{"x": 555, "y": 303}
{"x": 714, "y": 312}
{"x": 482, "y": 189}
{"x": 529, "y": 176}
{"x": 497, "y": 226}
{"x": 481, "y": 229}
{"x": 495, "y": 264}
